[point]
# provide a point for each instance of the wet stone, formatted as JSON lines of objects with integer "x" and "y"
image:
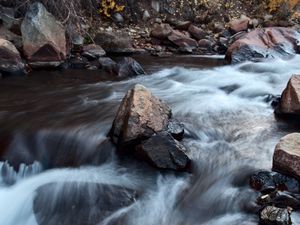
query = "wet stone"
{"x": 176, "y": 129}
{"x": 266, "y": 182}
{"x": 271, "y": 215}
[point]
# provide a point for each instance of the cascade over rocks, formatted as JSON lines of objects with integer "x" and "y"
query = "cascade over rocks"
{"x": 44, "y": 40}
{"x": 264, "y": 43}
{"x": 290, "y": 99}
{"x": 10, "y": 59}
{"x": 143, "y": 126}
{"x": 79, "y": 203}
{"x": 286, "y": 158}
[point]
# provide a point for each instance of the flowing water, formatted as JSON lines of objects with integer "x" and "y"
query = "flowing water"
{"x": 59, "y": 120}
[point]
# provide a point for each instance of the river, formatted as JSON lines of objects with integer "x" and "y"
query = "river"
{"x": 53, "y": 119}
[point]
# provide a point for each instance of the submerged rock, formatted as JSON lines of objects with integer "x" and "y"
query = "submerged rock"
{"x": 290, "y": 99}
{"x": 78, "y": 203}
{"x": 271, "y": 215}
{"x": 140, "y": 115}
{"x": 129, "y": 67}
{"x": 286, "y": 157}
{"x": 264, "y": 43}
{"x": 44, "y": 40}
{"x": 10, "y": 59}
{"x": 164, "y": 152}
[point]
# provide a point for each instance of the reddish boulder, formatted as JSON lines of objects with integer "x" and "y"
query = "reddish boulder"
{"x": 10, "y": 59}
{"x": 140, "y": 115}
{"x": 290, "y": 99}
{"x": 181, "y": 40}
{"x": 286, "y": 158}
{"x": 44, "y": 40}
{"x": 161, "y": 31}
{"x": 264, "y": 43}
{"x": 239, "y": 25}
{"x": 197, "y": 32}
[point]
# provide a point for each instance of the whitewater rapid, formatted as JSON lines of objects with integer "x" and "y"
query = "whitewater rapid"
{"x": 231, "y": 132}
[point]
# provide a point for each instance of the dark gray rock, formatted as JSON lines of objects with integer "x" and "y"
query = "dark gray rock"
{"x": 176, "y": 129}
{"x": 266, "y": 182}
{"x": 129, "y": 67}
{"x": 164, "y": 152}
{"x": 108, "y": 65}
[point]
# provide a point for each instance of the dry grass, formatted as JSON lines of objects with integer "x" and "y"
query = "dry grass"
{"x": 65, "y": 10}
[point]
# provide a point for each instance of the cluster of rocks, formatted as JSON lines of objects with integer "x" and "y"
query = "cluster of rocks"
{"x": 144, "y": 127}
{"x": 45, "y": 43}
{"x": 280, "y": 190}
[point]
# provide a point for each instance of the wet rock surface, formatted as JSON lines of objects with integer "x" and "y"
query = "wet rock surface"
{"x": 286, "y": 158}
{"x": 164, "y": 152}
{"x": 266, "y": 182}
{"x": 140, "y": 115}
{"x": 290, "y": 99}
{"x": 275, "y": 216}
{"x": 264, "y": 43}
{"x": 143, "y": 126}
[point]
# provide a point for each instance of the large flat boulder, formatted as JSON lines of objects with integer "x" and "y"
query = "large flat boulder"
{"x": 264, "y": 43}
{"x": 10, "y": 59}
{"x": 44, "y": 39}
{"x": 140, "y": 115}
{"x": 79, "y": 203}
{"x": 286, "y": 158}
{"x": 290, "y": 99}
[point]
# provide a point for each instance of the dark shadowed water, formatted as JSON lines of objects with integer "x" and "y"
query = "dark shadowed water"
{"x": 54, "y": 119}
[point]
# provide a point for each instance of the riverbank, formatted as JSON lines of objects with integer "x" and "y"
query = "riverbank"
{"x": 157, "y": 29}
